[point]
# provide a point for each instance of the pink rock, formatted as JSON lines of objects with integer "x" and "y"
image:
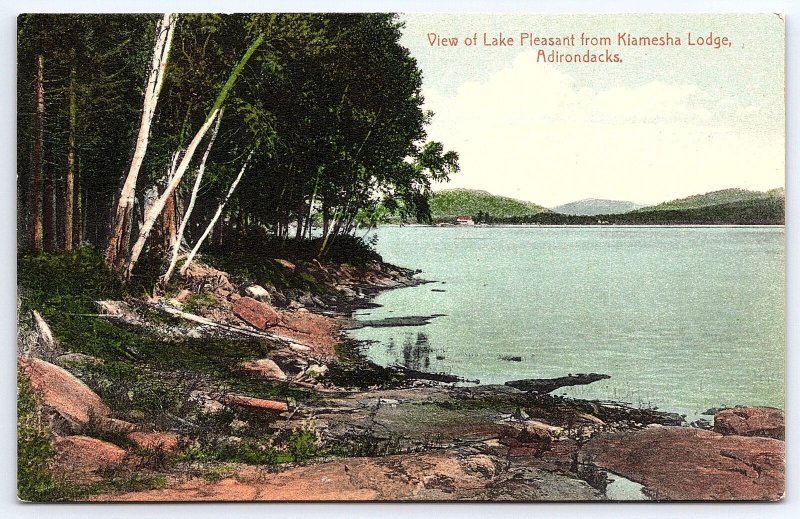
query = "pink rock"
{"x": 264, "y": 368}
{"x": 81, "y": 456}
{"x": 261, "y": 315}
{"x": 63, "y": 392}
{"x": 153, "y": 440}
{"x": 684, "y": 463}
{"x": 751, "y": 421}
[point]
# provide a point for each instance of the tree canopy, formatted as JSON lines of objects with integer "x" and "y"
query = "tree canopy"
{"x": 327, "y": 106}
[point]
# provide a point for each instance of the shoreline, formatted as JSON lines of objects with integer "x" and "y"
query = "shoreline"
{"x": 487, "y": 442}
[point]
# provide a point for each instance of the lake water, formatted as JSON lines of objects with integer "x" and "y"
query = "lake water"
{"x": 681, "y": 318}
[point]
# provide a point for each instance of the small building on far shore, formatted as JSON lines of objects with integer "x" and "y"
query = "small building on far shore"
{"x": 464, "y": 219}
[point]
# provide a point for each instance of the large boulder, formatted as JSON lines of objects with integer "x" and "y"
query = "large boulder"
{"x": 82, "y": 457}
{"x": 685, "y": 463}
{"x": 264, "y": 368}
{"x": 59, "y": 390}
{"x": 258, "y": 314}
{"x": 751, "y": 421}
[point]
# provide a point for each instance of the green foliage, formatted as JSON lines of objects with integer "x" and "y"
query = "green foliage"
{"x": 34, "y": 449}
{"x": 446, "y": 205}
{"x": 302, "y": 443}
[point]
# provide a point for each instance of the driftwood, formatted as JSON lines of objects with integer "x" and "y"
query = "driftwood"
{"x": 546, "y": 385}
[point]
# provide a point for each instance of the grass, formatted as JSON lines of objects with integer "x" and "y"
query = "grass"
{"x": 34, "y": 449}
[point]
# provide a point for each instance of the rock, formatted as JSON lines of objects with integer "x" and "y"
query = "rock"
{"x": 260, "y": 315}
{"x": 61, "y": 391}
{"x": 264, "y": 368}
{"x": 285, "y": 264}
{"x": 259, "y": 293}
{"x": 546, "y": 385}
{"x": 751, "y": 421}
{"x": 316, "y": 371}
{"x": 206, "y": 404}
{"x": 183, "y": 295}
{"x": 82, "y": 457}
{"x": 257, "y": 403}
{"x": 45, "y": 344}
{"x": 166, "y": 441}
{"x": 683, "y": 463}
{"x": 346, "y": 291}
{"x": 519, "y": 414}
{"x": 319, "y": 302}
{"x": 300, "y": 348}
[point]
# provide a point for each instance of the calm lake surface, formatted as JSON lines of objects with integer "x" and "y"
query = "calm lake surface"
{"x": 682, "y": 318}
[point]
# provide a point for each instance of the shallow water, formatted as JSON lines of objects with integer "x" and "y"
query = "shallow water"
{"x": 682, "y": 318}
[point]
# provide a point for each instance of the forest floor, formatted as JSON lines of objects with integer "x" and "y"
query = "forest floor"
{"x": 244, "y": 386}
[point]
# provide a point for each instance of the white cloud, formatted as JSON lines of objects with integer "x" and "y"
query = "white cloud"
{"x": 529, "y": 131}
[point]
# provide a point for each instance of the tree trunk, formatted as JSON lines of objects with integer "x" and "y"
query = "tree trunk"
{"x": 49, "y": 211}
{"x": 177, "y": 245}
{"x": 199, "y": 243}
{"x": 69, "y": 185}
{"x": 118, "y": 241}
{"x": 78, "y": 224}
{"x": 158, "y": 205}
{"x": 35, "y": 188}
{"x": 136, "y": 250}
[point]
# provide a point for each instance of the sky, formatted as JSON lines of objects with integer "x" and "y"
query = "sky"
{"x": 666, "y": 122}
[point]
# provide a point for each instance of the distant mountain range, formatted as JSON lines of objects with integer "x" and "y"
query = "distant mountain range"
{"x": 724, "y": 196}
{"x": 595, "y": 206}
{"x": 727, "y": 206}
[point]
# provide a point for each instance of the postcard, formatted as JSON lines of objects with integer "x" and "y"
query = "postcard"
{"x": 400, "y": 257}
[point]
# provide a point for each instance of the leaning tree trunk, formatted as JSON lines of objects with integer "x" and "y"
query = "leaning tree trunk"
{"x": 152, "y": 214}
{"x": 213, "y": 221}
{"x": 69, "y": 184}
{"x": 118, "y": 240}
{"x": 136, "y": 250}
{"x": 35, "y": 187}
{"x": 177, "y": 245}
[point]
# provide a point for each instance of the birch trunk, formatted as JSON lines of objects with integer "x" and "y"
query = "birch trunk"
{"x": 136, "y": 250}
{"x": 199, "y": 243}
{"x": 177, "y": 246}
{"x": 35, "y": 187}
{"x": 155, "y": 210}
{"x": 117, "y": 243}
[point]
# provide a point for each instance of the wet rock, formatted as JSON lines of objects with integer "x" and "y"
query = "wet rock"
{"x": 547, "y": 385}
{"x": 683, "y": 463}
{"x": 264, "y": 368}
{"x": 258, "y": 293}
{"x": 61, "y": 391}
{"x": 258, "y": 314}
{"x": 751, "y": 421}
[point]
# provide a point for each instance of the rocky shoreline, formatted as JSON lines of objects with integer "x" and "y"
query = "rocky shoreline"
{"x": 380, "y": 433}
